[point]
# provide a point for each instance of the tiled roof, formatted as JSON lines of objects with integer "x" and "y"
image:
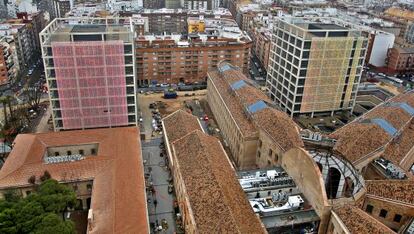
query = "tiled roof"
{"x": 359, "y": 222}
{"x": 396, "y": 116}
{"x": 356, "y": 140}
{"x": 217, "y": 201}
{"x": 372, "y": 131}
{"x": 179, "y": 124}
{"x": 396, "y": 190}
{"x": 276, "y": 123}
{"x": 281, "y": 130}
{"x": 118, "y": 193}
{"x": 235, "y": 107}
{"x": 398, "y": 149}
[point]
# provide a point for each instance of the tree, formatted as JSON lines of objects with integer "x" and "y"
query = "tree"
{"x": 46, "y": 175}
{"x": 32, "y": 179}
{"x": 51, "y": 223}
{"x": 33, "y": 95}
{"x": 40, "y": 212}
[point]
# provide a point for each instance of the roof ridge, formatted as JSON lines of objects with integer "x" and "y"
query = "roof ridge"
{"x": 213, "y": 172}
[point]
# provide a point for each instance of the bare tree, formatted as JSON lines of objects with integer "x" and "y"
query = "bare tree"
{"x": 33, "y": 95}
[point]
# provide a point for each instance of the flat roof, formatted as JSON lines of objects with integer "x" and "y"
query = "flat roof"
{"x": 328, "y": 26}
{"x": 118, "y": 194}
{"x": 88, "y": 28}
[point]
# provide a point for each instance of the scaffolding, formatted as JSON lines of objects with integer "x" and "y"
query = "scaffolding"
{"x": 91, "y": 83}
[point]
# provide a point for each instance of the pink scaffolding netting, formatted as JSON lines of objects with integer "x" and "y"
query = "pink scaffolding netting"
{"x": 91, "y": 83}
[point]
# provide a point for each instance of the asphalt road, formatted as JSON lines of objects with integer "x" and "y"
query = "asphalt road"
{"x": 24, "y": 81}
{"x": 255, "y": 70}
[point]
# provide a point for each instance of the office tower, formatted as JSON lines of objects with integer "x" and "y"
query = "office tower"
{"x": 315, "y": 65}
{"x": 90, "y": 70}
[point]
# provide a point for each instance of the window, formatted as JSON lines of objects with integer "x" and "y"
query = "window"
{"x": 69, "y": 152}
{"x": 93, "y": 151}
{"x": 397, "y": 218}
{"x": 89, "y": 187}
{"x": 56, "y": 153}
{"x": 270, "y": 152}
{"x": 260, "y": 143}
{"x": 258, "y": 154}
{"x": 81, "y": 152}
{"x": 369, "y": 209}
{"x": 383, "y": 213}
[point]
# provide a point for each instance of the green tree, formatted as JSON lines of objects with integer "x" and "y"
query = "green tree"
{"x": 39, "y": 212}
{"x": 51, "y": 223}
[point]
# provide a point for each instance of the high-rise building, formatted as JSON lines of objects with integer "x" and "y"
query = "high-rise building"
{"x": 90, "y": 70}
{"x": 315, "y": 65}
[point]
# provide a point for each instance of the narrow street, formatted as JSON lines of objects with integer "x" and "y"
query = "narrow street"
{"x": 158, "y": 176}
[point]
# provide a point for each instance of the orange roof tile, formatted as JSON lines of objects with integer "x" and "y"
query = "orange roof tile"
{"x": 357, "y": 139}
{"x": 359, "y": 222}
{"x": 118, "y": 193}
{"x": 179, "y": 124}
{"x": 396, "y": 190}
{"x": 275, "y": 123}
{"x": 217, "y": 201}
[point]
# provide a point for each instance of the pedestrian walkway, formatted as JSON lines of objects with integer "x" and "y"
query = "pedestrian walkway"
{"x": 160, "y": 202}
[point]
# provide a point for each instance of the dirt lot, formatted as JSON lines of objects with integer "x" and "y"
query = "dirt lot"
{"x": 169, "y": 105}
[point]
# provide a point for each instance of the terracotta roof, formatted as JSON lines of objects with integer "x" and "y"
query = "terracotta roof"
{"x": 356, "y": 140}
{"x": 235, "y": 107}
{"x": 217, "y": 201}
{"x": 396, "y": 190}
{"x": 280, "y": 130}
{"x": 179, "y": 124}
{"x": 400, "y": 13}
{"x": 118, "y": 193}
{"x": 398, "y": 149}
{"x": 396, "y": 116}
{"x": 405, "y": 97}
{"x": 359, "y": 222}
{"x": 277, "y": 124}
{"x": 362, "y": 137}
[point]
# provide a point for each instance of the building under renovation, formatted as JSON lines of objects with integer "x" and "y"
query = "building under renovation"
{"x": 90, "y": 70}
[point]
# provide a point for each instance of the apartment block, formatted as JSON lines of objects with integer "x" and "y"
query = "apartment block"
{"x": 180, "y": 58}
{"x": 61, "y": 7}
{"x": 36, "y": 23}
{"x": 90, "y": 70}
{"x": 261, "y": 46}
{"x": 23, "y": 37}
{"x": 9, "y": 67}
{"x": 401, "y": 59}
{"x": 201, "y": 4}
{"x": 174, "y": 20}
{"x": 315, "y": 65}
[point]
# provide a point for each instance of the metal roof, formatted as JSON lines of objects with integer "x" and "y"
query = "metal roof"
{"x": 385, "y": 125}
{"x": 238, "y": 84}
{"x": 257, "y": 106}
